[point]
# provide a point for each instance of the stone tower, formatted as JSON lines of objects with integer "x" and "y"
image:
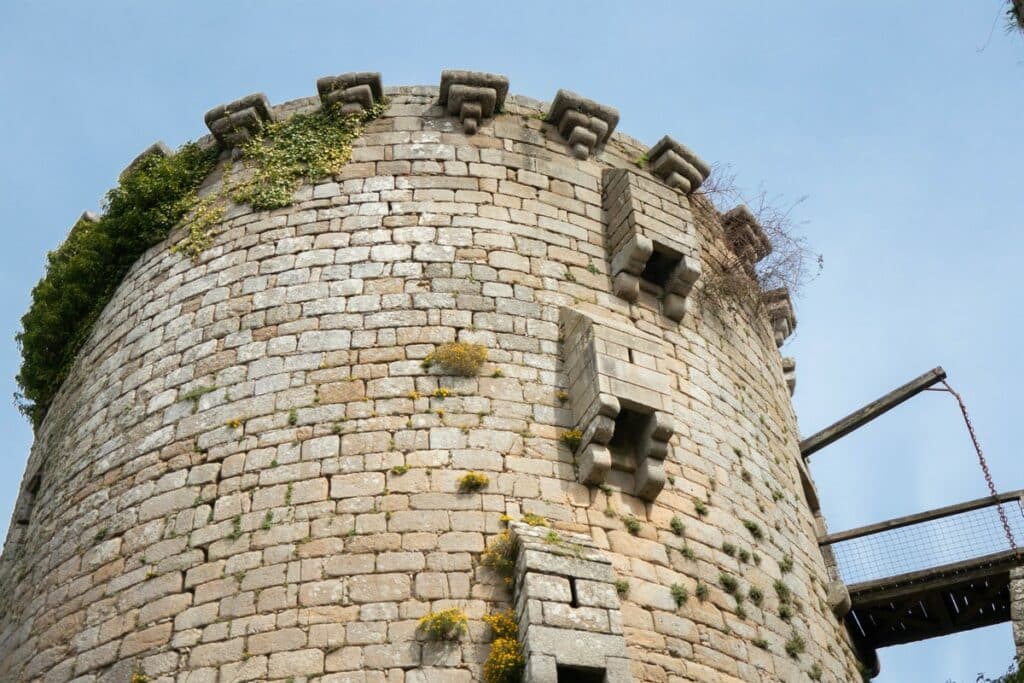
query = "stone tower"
{"x": 256, "y": 469}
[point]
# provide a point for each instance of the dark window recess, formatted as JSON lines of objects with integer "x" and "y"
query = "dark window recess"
{"x": 23, "y": 512}
{"x": 575, "y": 599}
{"x": 579, "y": 674}
{"x": 660, "y": 265}
{"x": 629, "y": 429}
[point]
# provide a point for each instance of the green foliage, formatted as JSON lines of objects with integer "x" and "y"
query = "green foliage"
{"x": 680, "y": 594}
{"x": 621, "y": 587}
{"x": 473, "y": 481}
{"x": 302, "y": 146}
{"x": 729, "y": 549}
{"x": 677, "y": 526}
{"x": 756, "y": 596}
{"x": 795, "y": 645}
{"x": 700, "y": 508}
{"x": 458, "y": 358}
{"x": 729, "y": 583}
{"x": 83, "y": 272}
{"x": 759, "y": 643}
{"x": 268, "y": 521}
{"x": 1014, "y": 674}
{"x": 782, "y": 591}
{"x": 504, "y": 663}
{"x": 448, "y": 624}
{"x": 786, "y": 564}
{"x": 632, "y": 524}
{"x": 572, "y": 438}
{"x": 814, "y": 673}
{"x": 500, "y": 556}
{"x": 534, "y": 519}
{"x": 236, "y": 528}
{"x": 754, "y": 528}
{"x": 701, "y": 591}
{"x": 399, "y": 469}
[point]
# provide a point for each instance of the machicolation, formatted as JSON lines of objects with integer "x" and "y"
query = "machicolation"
{"x": 250, "y": 464}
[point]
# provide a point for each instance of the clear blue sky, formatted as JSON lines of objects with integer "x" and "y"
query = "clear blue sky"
{"x": 904, "y": 134}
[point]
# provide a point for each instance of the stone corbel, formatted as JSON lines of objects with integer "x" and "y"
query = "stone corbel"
{"x": 779, "y": 308}
{"x": 237, "y": 122}
{"x": 585, "y": 124}
{"x": 745, "y": 237}
{"x": 677, "y": 165}
{"x": 472, "y": 96}
{"x": 158, "y": 148}
{"x": 352, "y": 92}
{"x": 789, "y": 373}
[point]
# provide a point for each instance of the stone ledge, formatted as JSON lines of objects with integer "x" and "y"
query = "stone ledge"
{"x": 236, "y": 123}
{"x": 353, "y": 92}
{"x": 584, "y": 123}
{"x": 472, "y": 96}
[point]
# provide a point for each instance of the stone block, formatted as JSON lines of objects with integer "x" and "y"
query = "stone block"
{"x": 472, "y": 96}
{"x": 236, "y": 123}
{"x": 677, "y": 165}
{"x": 352, "y": 92}
{"x": 583, "y": 123}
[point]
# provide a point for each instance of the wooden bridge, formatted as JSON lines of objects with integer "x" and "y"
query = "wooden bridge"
{"x": 930, "y": 574}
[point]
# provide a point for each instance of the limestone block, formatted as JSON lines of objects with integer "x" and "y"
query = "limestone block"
{"x": 235, "y": 123}
{"x": 779, "y": 309}
{"x": 352, "y": 92}
{"x": 585, "y": 124}
{"x": 472, "y": 96}
{"x": 677, "y": 165}
{"x": 839, "y": 598}
{"x": 158, "y": 148}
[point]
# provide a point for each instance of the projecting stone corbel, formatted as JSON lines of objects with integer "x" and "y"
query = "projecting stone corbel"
{"x": 745, "y": 237}
{"x": 677, "y": 165}
{"x": 779, "y": 308}
{"x": 649, "y": 240}
{"x": 789, "y": 373}
{"x": 620, "y": 402}
{"x": 472, "y": 96}
{"x": 158, "y": 148}
{"x": 236, "y": 123}
{"x": 585, "y": 124}
{"x": 352, "y": 92}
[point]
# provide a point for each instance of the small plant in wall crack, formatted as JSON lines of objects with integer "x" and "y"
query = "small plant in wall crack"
{"x": 680, "y": 594}
{"x": 458, "y": 358}
{"x": 504, "y": 663}
{"x": 572, "y": 438}
{"x": 448, "y": 624}
{"x": 473, "y": 481}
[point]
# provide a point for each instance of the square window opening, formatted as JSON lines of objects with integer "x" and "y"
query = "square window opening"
{"x": 660, "y": 265}
{"x": 629, "y": 429}
{"x": 580, "y": 674}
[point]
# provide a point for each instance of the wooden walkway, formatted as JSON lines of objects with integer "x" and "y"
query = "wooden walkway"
{"x": 934, "y": 602}
{"x": 952, "y": 571}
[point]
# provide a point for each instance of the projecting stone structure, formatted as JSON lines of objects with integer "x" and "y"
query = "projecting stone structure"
{"x": 250, "y": 475}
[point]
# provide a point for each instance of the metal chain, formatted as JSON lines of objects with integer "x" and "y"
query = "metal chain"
{"x": 982, "y": 462}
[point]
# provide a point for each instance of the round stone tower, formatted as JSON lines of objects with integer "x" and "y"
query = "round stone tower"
{"x": 477, "y": 370}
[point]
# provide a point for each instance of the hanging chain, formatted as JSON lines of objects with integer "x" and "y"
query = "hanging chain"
{"x": 982, "y": 462}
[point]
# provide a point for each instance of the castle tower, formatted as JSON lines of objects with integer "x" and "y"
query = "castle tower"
{"x": 475, "y": 370}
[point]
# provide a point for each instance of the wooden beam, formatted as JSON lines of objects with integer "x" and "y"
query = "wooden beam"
{"x": 928, "y": 516}
{"x": 861, "y": 417}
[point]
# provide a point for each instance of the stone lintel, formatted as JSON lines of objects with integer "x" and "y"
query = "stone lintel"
{"x": 472, "y": 96}
{"x": 584, "y": 123}
{"x": 677, "y": 165}
{"x": 235, "y": 123}
{"x": 353, "y": 92}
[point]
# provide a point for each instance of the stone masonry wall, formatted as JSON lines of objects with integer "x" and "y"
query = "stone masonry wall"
{"x": 216, "y": 499}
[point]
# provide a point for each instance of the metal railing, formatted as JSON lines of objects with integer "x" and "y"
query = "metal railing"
{"x": 928, "y": 540}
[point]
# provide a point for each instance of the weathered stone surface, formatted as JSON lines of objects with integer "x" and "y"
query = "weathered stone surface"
{"x": 250, "y": 474}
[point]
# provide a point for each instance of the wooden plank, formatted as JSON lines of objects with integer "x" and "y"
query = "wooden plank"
{"x": 919, "y": 517}
{"x": 861, "y": 417}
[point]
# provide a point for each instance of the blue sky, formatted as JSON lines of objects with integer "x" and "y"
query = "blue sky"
{"x": 899, "y": 121}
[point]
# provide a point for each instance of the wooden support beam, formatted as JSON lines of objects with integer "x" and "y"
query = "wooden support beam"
{"x": 919, "y": 517}
{"x": 861, "y": 417}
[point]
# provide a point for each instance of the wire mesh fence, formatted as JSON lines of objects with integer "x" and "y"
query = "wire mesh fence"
{"x": 928, "y": 544}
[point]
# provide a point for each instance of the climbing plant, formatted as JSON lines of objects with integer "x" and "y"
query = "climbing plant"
{"x": 158, "y": 194}
{"x": 83, "y": 272}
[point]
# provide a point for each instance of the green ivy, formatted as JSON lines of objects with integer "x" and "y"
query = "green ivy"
{"x": 83, "y": 272}
{"x": 303, "y": 146}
